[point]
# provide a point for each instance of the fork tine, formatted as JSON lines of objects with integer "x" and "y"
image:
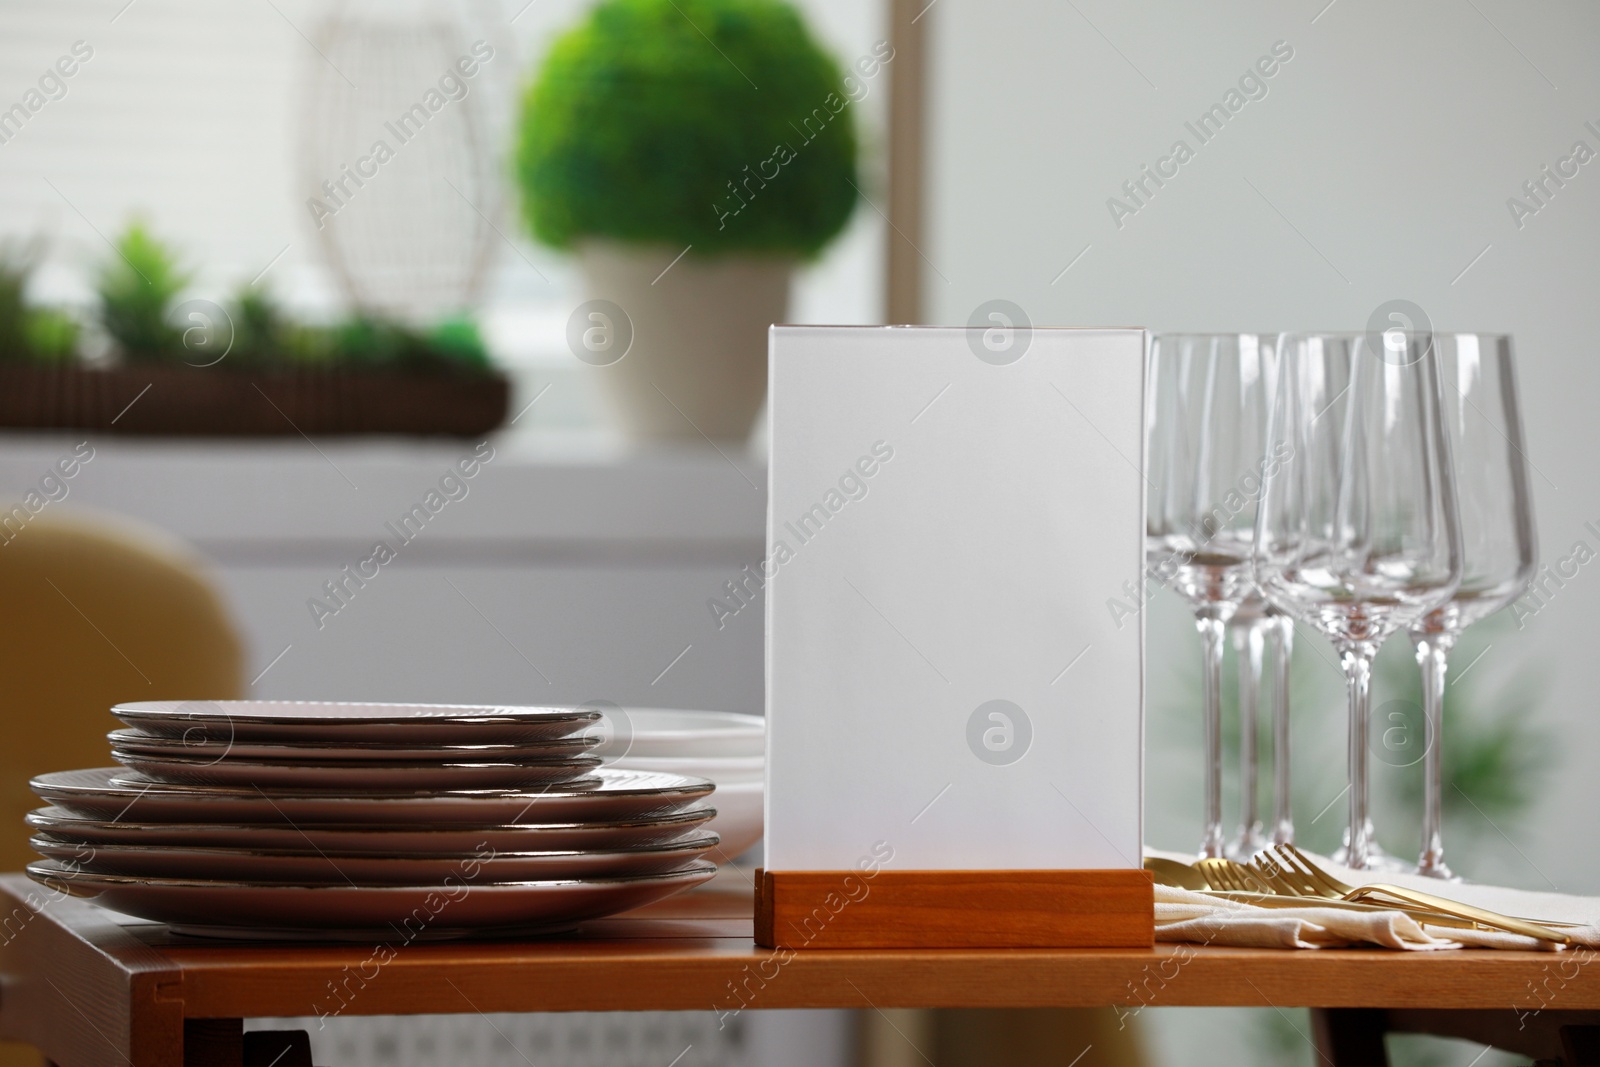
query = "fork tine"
{"x": 1235, "y": 876}
{"x": 1219, "y": 874}
{"x": 1240, "y": 882}
{"x": 1290, "y": 862}
{"x": 1273, "y": 869}
{"x": 1271, "y": 872}
{"x": 1253, "y": 880}
{"x": 1316, "y": 873}
{"x": 1317, "y": 877}
{"x": 1340, "y": 886}
{"x": 1214, "y": 878}
{"x": 1297, "y": 872}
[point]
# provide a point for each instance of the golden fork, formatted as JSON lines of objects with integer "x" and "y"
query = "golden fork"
{"x": 1262, "y": 878}
{"x": 1233, "y": 877}
{"x": 1284, "y": 880}
{"x": 1214, "y": 877}
{"x": 1292, "y": 866}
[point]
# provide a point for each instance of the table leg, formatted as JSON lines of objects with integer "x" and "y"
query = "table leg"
{"x": 1350, "y": 1037}
{"x": 213, "y": 1043}
{"x": 277, "y": 1048}
{"x": 1581, "y": 1045}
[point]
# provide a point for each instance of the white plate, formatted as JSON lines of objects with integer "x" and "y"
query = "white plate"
{"x": 482, "y": 864}
{"x": 672, "y": 732}
{"x": 739, "y": 819}
{"x": 116, "y": 793}
{"x": 356, "y": 775}
{"x": 390, "y": 840}
{"x": 389, "y": 915}
{"x": 148, "y": 744}
{"x": 307, "y": 720}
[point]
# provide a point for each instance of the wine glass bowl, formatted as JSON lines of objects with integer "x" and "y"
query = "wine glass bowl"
{"x": 1359, "y": 535}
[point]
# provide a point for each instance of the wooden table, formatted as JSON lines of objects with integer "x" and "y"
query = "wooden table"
{"x": 90, "y": 990}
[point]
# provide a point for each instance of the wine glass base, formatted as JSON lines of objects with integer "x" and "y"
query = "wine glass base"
{"x": 1377, "y": 860}
{"x": 1245, "y": 844}
{"x": 1437, "y": 869}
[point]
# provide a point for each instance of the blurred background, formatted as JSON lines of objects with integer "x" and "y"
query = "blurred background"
{"x": 180, "y": 207}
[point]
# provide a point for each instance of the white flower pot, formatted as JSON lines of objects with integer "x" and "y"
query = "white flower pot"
{"x": 696, "y": 366}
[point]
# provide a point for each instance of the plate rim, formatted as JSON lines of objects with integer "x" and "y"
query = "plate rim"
{"x": 78, "y": 876}
{"x": 500, "y": 714}
{"x": 687, "y": 816}
{"x": 128, "y": 759}
{"x": 110, "y": 787}
{"x": 134, "y": 735}
{"x": 706, "y": 841}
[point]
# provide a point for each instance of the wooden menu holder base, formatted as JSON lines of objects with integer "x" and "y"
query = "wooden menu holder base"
{"x": 955, "y": 909}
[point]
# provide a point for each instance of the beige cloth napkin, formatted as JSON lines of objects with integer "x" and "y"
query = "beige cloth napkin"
{"x": 1195, "y": 917}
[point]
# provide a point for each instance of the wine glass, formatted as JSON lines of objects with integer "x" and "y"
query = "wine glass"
{"x": 1208, "y": 400}
{"x": 1259, "y": 629}
{"x": 1498, "y": 548}
{"x": 1358, "y": 533}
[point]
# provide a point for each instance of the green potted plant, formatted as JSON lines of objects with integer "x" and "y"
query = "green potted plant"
{"x": 690, "y": 153}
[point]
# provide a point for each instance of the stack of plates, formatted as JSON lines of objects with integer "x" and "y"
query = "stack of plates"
{"x": 276, "y": 819}
{"x": 728, "y": 748}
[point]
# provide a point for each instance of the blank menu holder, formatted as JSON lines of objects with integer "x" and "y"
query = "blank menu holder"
{"x": 955, "y": 639}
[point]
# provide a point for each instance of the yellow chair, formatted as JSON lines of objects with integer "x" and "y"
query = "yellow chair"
{"x": 96, "y": 611}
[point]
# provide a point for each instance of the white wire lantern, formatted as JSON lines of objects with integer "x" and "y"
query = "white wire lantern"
{"x": 404, "y": 121}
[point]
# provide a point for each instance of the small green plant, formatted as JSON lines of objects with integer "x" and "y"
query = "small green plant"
{"x": 30, "y": 334}
{"x": 260, "y": 331}
{"x": 52, "y": 336}
{"x": 646, "y": 125}
{"x": 452, "y": 346}
{"x": 457, "y": 341}
{"x": 14, "y": 270}
{"x": 137, "y": 288}
{"x": 309, "y": 347}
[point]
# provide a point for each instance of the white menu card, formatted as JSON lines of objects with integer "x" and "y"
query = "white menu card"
{"x": 954, "y": 585}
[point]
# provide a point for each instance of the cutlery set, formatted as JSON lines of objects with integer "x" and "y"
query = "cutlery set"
{"x": 1284, "y": 877}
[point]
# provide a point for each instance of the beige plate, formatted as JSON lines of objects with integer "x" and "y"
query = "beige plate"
{"x": 200, "y": 747}
{"x": 484, "y": 863}
{"x": 321, "y": 720}
{"x": 389, "y": 840}
{"x": 338, "y": 911}
{"x": 117, "y": 793}
{"x": 357, "y": 776}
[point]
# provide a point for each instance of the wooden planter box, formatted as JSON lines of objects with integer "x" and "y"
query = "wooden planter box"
{"x": 237, "y": 403}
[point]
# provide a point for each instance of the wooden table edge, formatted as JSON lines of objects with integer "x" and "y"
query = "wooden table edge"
{"x": 68, "y": 962}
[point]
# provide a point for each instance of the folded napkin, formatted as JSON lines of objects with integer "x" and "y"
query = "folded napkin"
{"x": 1182, "y": 915}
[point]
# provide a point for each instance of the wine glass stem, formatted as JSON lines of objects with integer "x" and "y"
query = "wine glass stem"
{"x": 1433, "y": 655}
{"x": 1247, "y": 643}
{"x": 1356, "y": 658}
{"x": 1212, "y": 633}
{"x": 1282, "y": 649}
